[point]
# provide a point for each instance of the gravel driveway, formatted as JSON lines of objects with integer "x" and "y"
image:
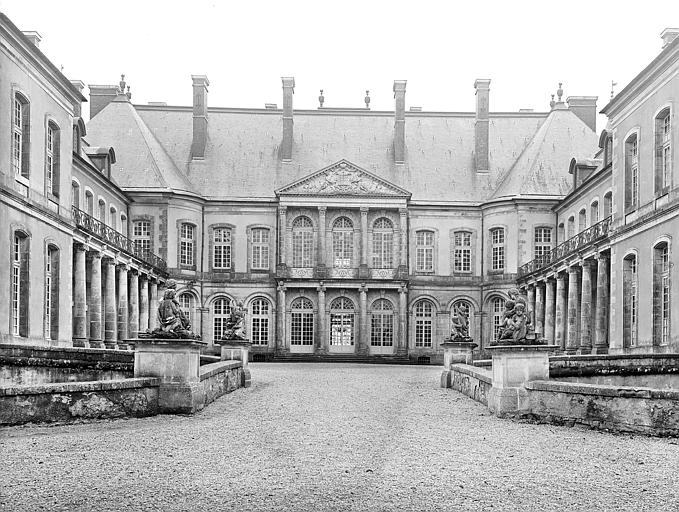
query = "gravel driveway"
{"x": 335, "y": 437}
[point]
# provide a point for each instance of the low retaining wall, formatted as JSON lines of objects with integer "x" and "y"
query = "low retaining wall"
{"x": 70, "y": 401}
{"x": 626, "y": 409}
{"x": 218, "y": 379}
{"x": 615, "y": 364}
{"x": 469, "y": 380}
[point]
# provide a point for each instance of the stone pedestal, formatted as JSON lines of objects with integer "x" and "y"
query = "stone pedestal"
{"x": 513, "y": 365}
{"x": 176, "y": 363}
{"x": 455, "y": 352}
{"x": 238, "y": 350}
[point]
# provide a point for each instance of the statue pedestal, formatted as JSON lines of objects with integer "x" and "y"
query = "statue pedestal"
{"x": 455, "y": 352}
{"x": 176, "y": 362}
{"x": 513, "y": 365}
{"x": 238, "y": 350}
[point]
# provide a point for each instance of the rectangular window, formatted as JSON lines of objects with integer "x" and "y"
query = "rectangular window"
{"x": 423, "y": 332}
{"x": 382, "y": 330}
{"x": 260, "y": 249}
{"x": 141, "y": 234}
{"x": 424, "y": 252}
{"x": 222, "y": 248}
{"x": 17, "y": 137}
{"x": 462, "y": 252}
{"x": 498, "y": 249}
{"x": 302, "y": 248}
{"x": 16, "y": 286}
{"x": 302, "y": 329}
{"x": 342, "y": 248}
{"x": 543, "y": 242}
{"x": 49, "y": 160}
{"x": 631, "y": 172}
{"x": 186, "y": 236}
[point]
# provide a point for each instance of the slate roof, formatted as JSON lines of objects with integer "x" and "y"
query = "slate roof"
{"x": 529, "y": 153}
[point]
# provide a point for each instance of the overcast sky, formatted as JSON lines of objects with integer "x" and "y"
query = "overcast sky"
{"x": 346, "y": 47}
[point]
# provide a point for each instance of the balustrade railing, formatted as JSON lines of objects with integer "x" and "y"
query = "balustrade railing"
{"x": 112, "y": 237}
{"x": 580, "y": 241}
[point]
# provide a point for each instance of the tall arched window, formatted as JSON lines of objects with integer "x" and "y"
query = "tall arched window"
{"x": 89, "y": 203}
{"x": 123, "y": 224}
{"x": 221, "y": 256}
{"x": 661, "y": 294}
{"x": 497, "y": 241}
{"x": 21, "y": 136}
{"x": 302, "y": 322}
{"x": 608, "y": 204}
{"x": 582, "y": 220}
{"x": 424, "y": 323}
{"x": 342, "y": 243}
{"x": 497, "y": 308}
{"x": 561, "y": 233}
{"x": 52, "y": 293}
{"x": 75, "y": 194}
{"x": 631, "y": 172}
{"x": 424, "y": 251}
{"x": 462, "y": 255}
{"x": 20, "y": 285}
{"x": 382, "y": 323}
{"x": 260, "y": 314}
{"x": 186, "y": 244}
{"x": 221, "y": 310}
{"x": 383, "y": 243}
{"x": 188, "y": 304}
{"x": 52, "y": 147}
{"x": 302, "y": 242}
{"x": 663, "y": 152}
{"x": 113, "y": 217}
{"x": 570, "y": 232}
{"x": 594, "y": 212}
{"x": 630, "y": 303}
{"x": 342, "y": 322}
{"x": 102, "y": 211}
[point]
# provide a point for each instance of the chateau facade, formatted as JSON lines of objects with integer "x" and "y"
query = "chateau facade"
{"x": 346, "y": 232}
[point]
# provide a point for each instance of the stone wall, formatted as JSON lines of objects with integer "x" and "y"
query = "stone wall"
{"x": 471, "y": 381}
{"x": 218, "y": 379}
{"x": 612, "y": 364}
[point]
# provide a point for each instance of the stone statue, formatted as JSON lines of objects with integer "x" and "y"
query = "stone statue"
{"x": 460, "y": 323}
{"x": 172, "y": 321}
{"x": 516, "y": 327}
{"x": 235, "y": 323}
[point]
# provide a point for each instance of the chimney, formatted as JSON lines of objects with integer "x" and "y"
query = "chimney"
{"x": 482, "y": 87}
{"x": 100, "y": 96}
{"x": 668, "y": 35}
{"x": 399, "y": 121}
{"x": 200, "y": 84}
{"x": 585, "y": 108}
{"x": 286, "y": 145}
{"x": 33, "y": 37}
{"x": 77, "y": 107}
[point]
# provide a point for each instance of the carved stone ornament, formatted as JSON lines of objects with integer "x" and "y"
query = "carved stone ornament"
{"x": 173, "y": 322}
{"x": 516, "y": 327}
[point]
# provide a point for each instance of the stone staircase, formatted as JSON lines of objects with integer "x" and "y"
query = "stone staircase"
{"x": 339, "y": 358}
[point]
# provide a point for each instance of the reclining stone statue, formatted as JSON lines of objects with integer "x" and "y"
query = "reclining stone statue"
{"x": 172, "y": 321}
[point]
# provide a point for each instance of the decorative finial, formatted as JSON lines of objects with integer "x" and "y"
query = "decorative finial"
{"x": 367, "y": 99}
{"x": 559, "y": 91}
{"x": 122, "y": 83}
{"x": 613, "y": 84}
{"x": 321, "y": 99}
{"x": 552, "y": 103}
{"x": 129, "y": 94}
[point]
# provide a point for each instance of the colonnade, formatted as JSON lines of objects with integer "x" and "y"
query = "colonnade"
{"x": 570, "y": 305}
{"x": 112, "y": 301}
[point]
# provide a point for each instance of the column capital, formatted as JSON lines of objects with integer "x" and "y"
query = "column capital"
{"x": 322, "y": 209}
{"x": 601, "y": 256}
{"x": 574, "y": 268}
{"x": 282, "y": 209}
{"x": 588, "y": 263}
{"x": 94, "y": 254}
{"x": 363, "y": 288}
{"x": 123, "y": 266}
{"x": 402, "y": 288}
{"x": 403, "y": 212}
{"x": 321, "y": 288}
{"x": 79, "y": 246}
{"x": 364, "y": 210}
{"x": 281, "y": 287}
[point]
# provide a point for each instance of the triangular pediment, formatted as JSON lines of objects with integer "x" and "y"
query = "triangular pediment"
{"x": 343, "y": 179}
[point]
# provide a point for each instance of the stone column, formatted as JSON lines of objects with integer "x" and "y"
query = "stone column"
{"x": 153, "y": 305}
{"x": 321, "y": 335}
{"x": 531, "y": 302}
{"x": 573, "y": 309}
{"x": 280, "y": 327}
{"x": 364, "y": 235}
{"x": 123, "y": 320}
{"x": 560, "y": 323}
{"x": 322, "y": 250}
{"x": 143, "y": 303}
{"x": 282, "y": 233}
{"x": 602, "y": 305}
{"x": 586, "y": 308}
{"x": 549, "y": 311}
{"x": 134, "y": 303}
{"x": 94, "y": 301}
{"x": 79, "y": 297}
{"x": 364, "y": 332}
{"x": 539, "y": 309}
{"x": 403, "y": 213}
{"x": 110, "y": 327}
{"x": 402, "y": 347}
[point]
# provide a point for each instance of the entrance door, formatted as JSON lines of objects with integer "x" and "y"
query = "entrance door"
{"x": 302, "y": 326}
{"x": 342, "y": 321}
{"x": 382, "y": 327}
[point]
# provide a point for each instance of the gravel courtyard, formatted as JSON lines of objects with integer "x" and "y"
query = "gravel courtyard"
{"x": 335, "y": 437}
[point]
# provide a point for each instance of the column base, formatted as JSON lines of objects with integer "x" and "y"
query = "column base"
{"x": 79, "y": 342}
{"x": 111, "y": 345}
{"x": 446, "y": 379}
{"x": 585, "y": 350}
{"x": 508, "y": 401}
{"x": 122, "y": 345}
{"x": 600, "y": 350}
{"x": 96, "y": 344}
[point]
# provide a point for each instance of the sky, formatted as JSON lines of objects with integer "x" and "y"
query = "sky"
{"x": 345, "y": 47}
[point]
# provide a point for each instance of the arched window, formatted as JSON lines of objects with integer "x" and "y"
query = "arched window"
{"x": 188, "y": 304}
{"x": 571, "y": 227}
{"x": 497, "y": 306}
{"x": 123, "y": 224}
{"x": 76, "y": 139}
{"x": 75, "y": 194}
{"x": 631, "y": 172}
{"x": 608, "y": 204}
{"x": 302, "y": 322}
{"x": 462, "y": 255}
{"x": 52, "y": 293}
{"x": 52, "y": 148}
{"x": 663, "y": 152}
{"x": 582, "y": 220}
{"x": 113, "y": 217}
{"x": 383, "y": 243}
{"x": 470, "y": 311}
{"x": 342, "y": 243}
{"x": 424, "y": 251}
{"x": 221, "y": 310}
{"x": 341, "y": 322}
{"x": 102, "y": 211}
{"x": 661, "y": 294}
{"x": 424, "y": 323}
{"x": 561, "y": 232}
{"x": 260, "y": 249}
{"x": 594, "y": 212}
{"x": 186, "y": 244}
{"x": 543, "y": 242}
{"x": 630, "y": 303}
{"x": 221, "y": 256}
{"x": 382, "y": 324}
{"x": 497, "y": 241}
{"x": 89, "y": 203}
{"x": 20, "y": 285}
{"x": 302, "y": 242}
{"x": 21, "y": 136}
{"x": 260, "y": 311}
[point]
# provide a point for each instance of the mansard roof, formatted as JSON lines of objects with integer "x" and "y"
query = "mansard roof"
{"x": 242, "y": 161}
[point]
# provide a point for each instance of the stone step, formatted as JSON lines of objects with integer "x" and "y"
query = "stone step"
{"x": 339, "y": 358}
